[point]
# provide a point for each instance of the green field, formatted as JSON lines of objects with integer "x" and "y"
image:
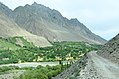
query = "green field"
{"x": 5, "y": 45}
{"x": 24, "y": 51}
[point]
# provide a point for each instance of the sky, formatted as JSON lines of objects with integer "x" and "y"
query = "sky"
{"x": 100, "y": 16}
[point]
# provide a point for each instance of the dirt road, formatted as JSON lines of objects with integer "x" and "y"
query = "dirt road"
{"x": 104, "y": 67}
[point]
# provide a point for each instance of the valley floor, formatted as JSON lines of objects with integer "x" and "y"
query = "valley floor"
{"x": 99, "y": 68}
{"x": 11, "y": 74}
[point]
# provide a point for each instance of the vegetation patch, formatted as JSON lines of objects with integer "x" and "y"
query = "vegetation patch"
{"x": 60, "y": 51}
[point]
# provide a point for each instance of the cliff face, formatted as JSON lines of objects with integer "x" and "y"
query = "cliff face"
{"x": 43, "y": 21}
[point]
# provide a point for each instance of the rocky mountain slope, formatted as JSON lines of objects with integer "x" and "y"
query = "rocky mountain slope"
{"x": 5, "y": 9}
{"x": 8, "y": 28}
{"x": 111, "y": 50}
{"x": 43, "y": 21}
{"x": 40, "y": 24}
{"x": 103, "y": 64}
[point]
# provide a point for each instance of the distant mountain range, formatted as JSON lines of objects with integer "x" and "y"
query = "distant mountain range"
{"x": 40, "y": 24}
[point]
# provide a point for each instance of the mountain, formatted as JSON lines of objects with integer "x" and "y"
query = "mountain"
{"x": 49, "y": 23}
{"x": 101, "y": 64}
{"x": 110, "y": 50}
{"x": 5, "y": 9}
{"x": 8, "y": 28}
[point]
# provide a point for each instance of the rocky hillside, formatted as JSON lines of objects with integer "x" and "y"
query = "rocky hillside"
{"x": 40, "y": 24}
{"x": 49, "y": 23}
{"x": 111, "y": 50}
{"x": 5, "y": 9}
{"x": 8, "y": 28}
{"x": 103, "y": 64}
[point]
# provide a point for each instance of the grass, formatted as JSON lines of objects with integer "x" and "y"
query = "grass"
{"x": 11, "y": 52}
{"x": 4, "y": 44}
{"x": 24, "y": 41}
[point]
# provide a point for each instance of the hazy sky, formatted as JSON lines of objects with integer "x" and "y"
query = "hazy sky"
{"x": 100, "y": 16}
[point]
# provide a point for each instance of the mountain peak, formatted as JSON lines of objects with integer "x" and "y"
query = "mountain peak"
{"x": 43, "y": 21}
{"x": 35, "y": 3}
{"x": 74, "y": 19}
